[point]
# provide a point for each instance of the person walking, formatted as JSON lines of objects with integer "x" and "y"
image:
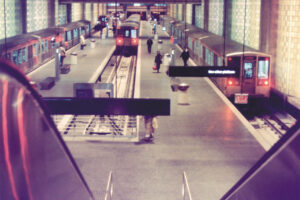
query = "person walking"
{"x": 149, "y": 44}
{"x": 82, "y": 42}
{"x": 158, "y": 61}
{"x": 150, "y": 126}
{"x": 185, "y": 55}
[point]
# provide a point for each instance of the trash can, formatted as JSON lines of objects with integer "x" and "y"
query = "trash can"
{"x": 174, "y": 84}
{"x": 73, "y": 58}
{"x": 93, "y": 43}
{"x": 183, "y": 93}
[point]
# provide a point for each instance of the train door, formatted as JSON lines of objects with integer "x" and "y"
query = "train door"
{"x": 30, "y": 56}
{"x": 248, "y": 74}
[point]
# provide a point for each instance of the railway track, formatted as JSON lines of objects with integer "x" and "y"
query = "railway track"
{"x": 273, "y": 126}
{"x": 120, "y": 71}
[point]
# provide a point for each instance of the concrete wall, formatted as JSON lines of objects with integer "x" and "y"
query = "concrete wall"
{"x": 245, "y": 22}
{"x": 287, "y": 70}
{"x": 216, "y": 16}
{"x": 10, "y": 23}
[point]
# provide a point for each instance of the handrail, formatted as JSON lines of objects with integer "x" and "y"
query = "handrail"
{"x": 109, "y": 187}
{"x": 185, "y": 187}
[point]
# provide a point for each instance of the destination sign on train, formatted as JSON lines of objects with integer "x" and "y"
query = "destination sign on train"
{"x": 204, "y": 71}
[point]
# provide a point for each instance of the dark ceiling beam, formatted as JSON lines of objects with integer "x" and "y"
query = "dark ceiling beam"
{"x": 128, "y": 1}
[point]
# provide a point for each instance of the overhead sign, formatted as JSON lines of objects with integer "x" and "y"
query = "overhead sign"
{"x": 204, "y": 71}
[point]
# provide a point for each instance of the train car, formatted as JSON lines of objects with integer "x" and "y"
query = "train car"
{"x": 28, "y": 51}
{"x": 127, "y": 36}
{"x": 72, "y": 32}
{"x": 208, "y": 49}
{"x": 254, "y": 65}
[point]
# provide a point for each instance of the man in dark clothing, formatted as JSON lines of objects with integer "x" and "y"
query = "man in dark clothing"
{"x": 185, "y": 55}
{"x": 149, "y": 44}
{"x": 158, "y": 61}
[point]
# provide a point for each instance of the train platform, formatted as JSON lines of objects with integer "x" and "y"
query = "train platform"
{"x": 205, "y": 138}
{"x": 90, "y": 62}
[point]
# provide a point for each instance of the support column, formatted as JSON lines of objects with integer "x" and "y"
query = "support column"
{"x": 83, "y": 10}
{"x": 265, "y": 24}
{"x": 206, "y": 14}
{"x": 69, "y": 13}
{"x": 51, "y": 13}
{"x": 23, "y": 16}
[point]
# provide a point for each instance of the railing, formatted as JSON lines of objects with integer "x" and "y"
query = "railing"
{"x": 186, "y": 192}
{"x": 109, "y": 187}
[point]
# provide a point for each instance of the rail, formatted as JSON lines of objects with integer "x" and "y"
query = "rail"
{"x": 186, "y": 192}
{"x": 109, "y": 187}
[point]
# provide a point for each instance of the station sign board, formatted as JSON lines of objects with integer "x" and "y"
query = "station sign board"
{"x": 204, "y": 71}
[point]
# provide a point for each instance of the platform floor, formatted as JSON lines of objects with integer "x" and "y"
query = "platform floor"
{"x": 90, "y": 62}
{"x": 205, "y": 138}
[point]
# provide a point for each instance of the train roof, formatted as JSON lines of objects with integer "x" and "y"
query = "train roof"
{"x": 73, "y": 25}
{"x": 16, "y": 40}
{"x": 52, "y": 31}
{"x": 129, "y": 24}
{"x": 134, "y": 18}
{"x": 217, "y": 43}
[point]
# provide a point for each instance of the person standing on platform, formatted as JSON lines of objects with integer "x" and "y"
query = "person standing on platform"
{"x": 185, "y": 55}
{"x": 154, "y": 29}
{"x": 158, "y": 61}
{"x": 82, "y": 42}
{"x": 149, "y": 44}
{"x": 62, "y": 54}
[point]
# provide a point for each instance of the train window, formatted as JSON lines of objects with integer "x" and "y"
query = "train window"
{"x": 248, "y": 70}
{"x": 76, "y": 33}
{"x": 220, "y": 61}
{"x": 15, "y": 56}
{"x": 190, "y": 43}
{"x": 127, "y": 33}
{"x": 24, "y": 54}
{"x": 133, "y": 33}
{"x": 263, "y": 68}
{"x": 34, "y": 50}
{"x": 46, "y": 45}
{"x": 207, "y": 56}
{"x": 42, "y": 46}
{"x": 69, "y": 35}
{"x": 196, "y": 47}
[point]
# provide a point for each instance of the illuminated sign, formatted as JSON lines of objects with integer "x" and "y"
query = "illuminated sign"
{"x": 204, "y": 71}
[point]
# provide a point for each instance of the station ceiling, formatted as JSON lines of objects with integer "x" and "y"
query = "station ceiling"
{"x": 130, "y": 1}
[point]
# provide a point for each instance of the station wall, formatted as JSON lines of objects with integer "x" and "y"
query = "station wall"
{"x": 20, "y": 16}
{"x": 216, "y": 16}
{"x": 287, "y": 70}
{"x": 10, "y": 25}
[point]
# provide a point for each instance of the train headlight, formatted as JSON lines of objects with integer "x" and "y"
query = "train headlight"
{"x": 134, "y": 41}
{"x": 120, "y": 41}
{"x": 230, "y": 82}
{"x": 266, "y": 82}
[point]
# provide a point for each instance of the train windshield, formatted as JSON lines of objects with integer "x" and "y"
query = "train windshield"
{"x": 263, "y": 68}
{"x": 133, "y": 33}
{"x": 248, "y": 70}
